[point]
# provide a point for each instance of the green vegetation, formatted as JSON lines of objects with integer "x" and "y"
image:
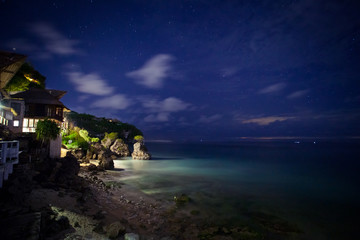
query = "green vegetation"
{"x": 84, "y": 134}
{"x": 73, "y": 140}
{"x": 112, "y": 136}
{"x": 47, "y": 130}
{"x": 98, "y": 126}
{"x": 27, "y": 77}
{"x": 139, "y": 138}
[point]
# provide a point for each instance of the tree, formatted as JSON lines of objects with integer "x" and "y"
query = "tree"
{"x": 27, "y": 77}
{"x": 47, "y": 130}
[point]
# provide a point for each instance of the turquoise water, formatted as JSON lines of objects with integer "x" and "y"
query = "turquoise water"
{"x": 314, "y": 187}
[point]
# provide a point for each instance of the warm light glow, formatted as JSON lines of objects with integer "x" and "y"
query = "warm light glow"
{"x": 27, "y": 76}
{"x": 16, "y": 123}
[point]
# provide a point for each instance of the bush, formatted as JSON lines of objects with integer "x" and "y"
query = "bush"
{"x": 47, "y": 130}
{"x": 84, "y": 134}
{"x": 74, "y": 140}
{"x": 139, "y": 138}
{"x": 112, "y": 136}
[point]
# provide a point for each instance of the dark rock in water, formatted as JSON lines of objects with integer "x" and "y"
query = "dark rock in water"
{"x": 140, "y": 152}
{"x": 181, "y": 200}
{"x": 106, "y": 163}
{"x": 120, "y": 148}
{"x": 114, "y": 230}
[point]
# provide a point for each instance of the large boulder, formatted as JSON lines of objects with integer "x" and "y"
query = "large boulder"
{"x": 94, "y": 150}
{"x": 58, "y": 171}
{"x": 140, "y": 152}
{"x": 120, "y": 148}
{"x": 106, "y": 163}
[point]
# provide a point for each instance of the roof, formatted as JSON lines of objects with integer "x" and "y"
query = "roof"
{"x": 9, "y": 65}
{"x": 56, "y": 93}
{"x": 8, "y": 58}
{"x": 39, "y": 96}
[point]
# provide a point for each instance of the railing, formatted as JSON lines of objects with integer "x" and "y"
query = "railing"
{"x": 9, "y": 155}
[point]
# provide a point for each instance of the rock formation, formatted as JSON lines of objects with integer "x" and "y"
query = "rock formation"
{"x": 120, "y": 148}
{"x": 106, "y": 142}
{"x": 140, "y": 152}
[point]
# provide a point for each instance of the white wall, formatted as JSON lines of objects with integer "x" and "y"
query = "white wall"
{"x": 55, "y": 147}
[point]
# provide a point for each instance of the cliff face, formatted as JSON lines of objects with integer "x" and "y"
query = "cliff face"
{"x": 98, "y": 126}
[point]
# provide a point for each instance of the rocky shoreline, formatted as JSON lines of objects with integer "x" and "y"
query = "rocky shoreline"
{"x": 76, "y": 202}
{"x": 70, "y": 198}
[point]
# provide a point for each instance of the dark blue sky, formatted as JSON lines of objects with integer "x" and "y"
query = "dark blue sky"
{"x": 198, "y": 69}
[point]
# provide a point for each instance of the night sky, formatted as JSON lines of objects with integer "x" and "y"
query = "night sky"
{"x": 191, "y": 70}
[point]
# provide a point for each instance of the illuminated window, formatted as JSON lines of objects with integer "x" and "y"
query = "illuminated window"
{"x": 25, "y": 122}
{"x": 31, "y": 123}
{"x": 58, "y": 111}
{"x": 16, "y": 123}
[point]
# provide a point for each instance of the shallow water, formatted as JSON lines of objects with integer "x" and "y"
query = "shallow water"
{"x": 314, "y": 187}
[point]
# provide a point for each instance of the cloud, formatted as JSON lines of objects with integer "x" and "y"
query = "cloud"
{"x": 161, "y": 110}
{"x": 210, "y": 119}
{"x": 90, "y": 83}
{"x": 160, "y": 117}
{"x": 118, "y": 102}
{"x": 298, "y": 94}
{"x": 55, "y": 42}
{"x": 264, "y": 121}
{"x": 272, "y": 88}
{"x": 154, "y": 71}
{"x": 170, "y": 104}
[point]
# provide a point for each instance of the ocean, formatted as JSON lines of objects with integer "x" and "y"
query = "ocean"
{"x": 286, "y": 190}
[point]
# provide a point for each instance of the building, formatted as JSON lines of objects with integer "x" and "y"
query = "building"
{"x": 33, "y": 105}
{"x": 9, "y": 65}
{"x": 21, "y": 111}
